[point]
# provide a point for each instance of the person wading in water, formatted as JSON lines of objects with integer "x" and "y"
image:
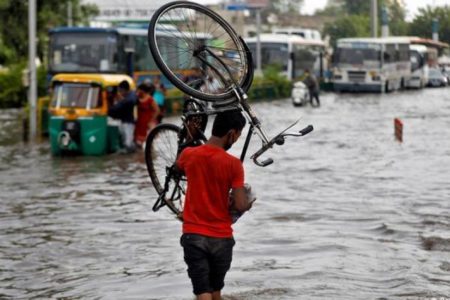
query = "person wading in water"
{"x": 211, "y": 174}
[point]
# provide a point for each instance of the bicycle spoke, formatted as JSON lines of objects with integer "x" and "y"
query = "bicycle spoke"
{"x": 188, "y": 30}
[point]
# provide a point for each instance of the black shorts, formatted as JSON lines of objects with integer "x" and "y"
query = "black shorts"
{"x": 208, "y": 260}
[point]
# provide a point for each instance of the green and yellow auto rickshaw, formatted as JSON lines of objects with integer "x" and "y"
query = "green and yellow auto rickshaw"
{"x": 79, "y": 122}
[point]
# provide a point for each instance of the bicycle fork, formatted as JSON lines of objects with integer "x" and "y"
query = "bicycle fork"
{"x": 161, "y": 201}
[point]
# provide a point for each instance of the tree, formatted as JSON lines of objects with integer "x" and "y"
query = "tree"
{"x": 347, "y": 26}
{"x": 422, "y": 23}
{"x": 50, "y": 13}
{"x": 397, "y": 14}
{"x": 355, "y": 18}
{"x": 362, "y": 7}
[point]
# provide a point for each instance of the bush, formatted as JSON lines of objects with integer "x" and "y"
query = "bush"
{"x": 271, "y": 85}
{"x": 12, "y": 91}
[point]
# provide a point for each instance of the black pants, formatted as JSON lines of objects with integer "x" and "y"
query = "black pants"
{"x": 208, "y": 260}
{"x": 313, "y": 94}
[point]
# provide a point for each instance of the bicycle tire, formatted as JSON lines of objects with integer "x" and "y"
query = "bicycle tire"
{"x": 159, "y": 157}
{"x": 202, "y": 58}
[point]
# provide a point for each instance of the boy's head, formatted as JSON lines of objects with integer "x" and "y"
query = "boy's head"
{"x": 228, "y": 126}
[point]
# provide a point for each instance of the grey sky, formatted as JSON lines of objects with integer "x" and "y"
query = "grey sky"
{"x": 412, "y": 6}
{"x": 309, "y": 6}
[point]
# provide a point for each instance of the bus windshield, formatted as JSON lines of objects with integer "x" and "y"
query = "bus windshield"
{"x": 353, "y": 56}
{"x": 91, "y": 52}
{"x": 307, "y": 57}
{"x": 272, "y": 54}
{"x": 76, "y": 96}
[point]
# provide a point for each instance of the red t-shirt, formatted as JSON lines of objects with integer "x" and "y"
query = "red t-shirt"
{"x": 211, "y": 173}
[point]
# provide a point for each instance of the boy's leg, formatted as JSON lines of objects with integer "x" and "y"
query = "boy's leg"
{"x": 196, "y": 258}
{"x": 221, "y": 257}
{"x": 206, "y": 296}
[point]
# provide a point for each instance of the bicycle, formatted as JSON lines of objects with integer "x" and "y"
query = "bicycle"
{"x": 208, "y": 45}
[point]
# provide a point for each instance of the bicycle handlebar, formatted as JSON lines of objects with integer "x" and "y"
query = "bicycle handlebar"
{"x": 306, "y": 130}
{"x": 279, "y": 140}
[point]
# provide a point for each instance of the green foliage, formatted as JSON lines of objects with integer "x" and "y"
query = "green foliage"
{"x": 422, "y": 23}
{"x": 355, "y": 18}
{"x": 347, "y": 26}
{"x": 50, "y": 13}
{"x": 271, "y": 85}
{"x": 12, "y": 91}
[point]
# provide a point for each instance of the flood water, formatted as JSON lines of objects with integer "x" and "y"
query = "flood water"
{"x": 346, "y": 212}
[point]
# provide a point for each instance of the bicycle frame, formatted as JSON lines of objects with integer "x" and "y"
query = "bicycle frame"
{"x": 239, "y": 102}
{"x": 183, "y": 142}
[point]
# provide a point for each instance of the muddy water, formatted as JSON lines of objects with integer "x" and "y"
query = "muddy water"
{"x": 344, "y": 213}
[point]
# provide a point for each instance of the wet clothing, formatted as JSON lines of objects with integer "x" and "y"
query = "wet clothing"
{"x": 146, "y": 111}
{"x": 207, "y": 238}
{"x": 313, "y": 88}
{"x": 124, "y": 109}
{"x": 211, "y": 173}
{"x": 127, "y": 135}
{"x": 208, "y": 260}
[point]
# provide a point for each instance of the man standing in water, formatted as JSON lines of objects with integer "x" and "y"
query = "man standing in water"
{"x": 211, "y": 173}
{"x": 123, "y": 110}
{"x": 313, "y": 87}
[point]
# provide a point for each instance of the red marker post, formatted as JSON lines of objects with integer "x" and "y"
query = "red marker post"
{"x": 398, "y": 129}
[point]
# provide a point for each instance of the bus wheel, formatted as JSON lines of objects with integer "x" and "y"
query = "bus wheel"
{"x": 387, "y": 90}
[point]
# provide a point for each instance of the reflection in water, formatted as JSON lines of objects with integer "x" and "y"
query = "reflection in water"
{"x": 345, "y": 213}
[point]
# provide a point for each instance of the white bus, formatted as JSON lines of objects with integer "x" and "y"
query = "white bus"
{"x": 291, "y": 53}
{"x": 371, "y": 64}
{"x": 306, "y": 33}
{"x": 419, "y": 67}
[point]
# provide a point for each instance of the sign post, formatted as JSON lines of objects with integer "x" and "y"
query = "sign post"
{"x": 32, "y": 91}
{"x": 257, "y": 6}
{"x": 374, "y": 18}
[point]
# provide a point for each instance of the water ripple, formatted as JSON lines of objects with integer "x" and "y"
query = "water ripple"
{"x": 345, "y": 213}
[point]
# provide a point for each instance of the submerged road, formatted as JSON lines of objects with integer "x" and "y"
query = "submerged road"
{"x": 346, "y": 212}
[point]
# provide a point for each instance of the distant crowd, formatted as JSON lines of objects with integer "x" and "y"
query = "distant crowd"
{"x": 138, "y": 111}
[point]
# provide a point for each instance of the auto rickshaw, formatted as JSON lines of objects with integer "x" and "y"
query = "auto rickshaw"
{"x": 79, "y": 122}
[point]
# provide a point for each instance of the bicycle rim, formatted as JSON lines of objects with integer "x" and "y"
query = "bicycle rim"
{"x": 189, "y": 41}
{"x": 161, "y": 152}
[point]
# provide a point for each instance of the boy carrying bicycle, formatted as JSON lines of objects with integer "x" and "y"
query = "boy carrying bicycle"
{"x": 211, "y": 174}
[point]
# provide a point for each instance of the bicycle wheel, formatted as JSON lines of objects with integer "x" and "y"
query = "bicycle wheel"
{"x": 191, "y": 43}
{"x": 161, "y": 151}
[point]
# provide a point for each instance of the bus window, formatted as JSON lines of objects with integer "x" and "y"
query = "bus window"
{"x": 403, "y": 50}
{"x": 272, "y": 54}
{"x": 143, "y": 58}
{"x": 80, "y": 52}
{"x": 358, "y": 56}
{"x": 416, "y": 59}
{"x": 305, "y": 59}
{"x": 390, "y": 53}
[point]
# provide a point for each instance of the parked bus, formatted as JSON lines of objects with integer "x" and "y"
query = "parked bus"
{"x": 419, "y": 67}
{"x": 306, "y": 33}
{"x": 371, "y": 64}
{"x": 291, "y": 53}
{"x": 107, "y": 51}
